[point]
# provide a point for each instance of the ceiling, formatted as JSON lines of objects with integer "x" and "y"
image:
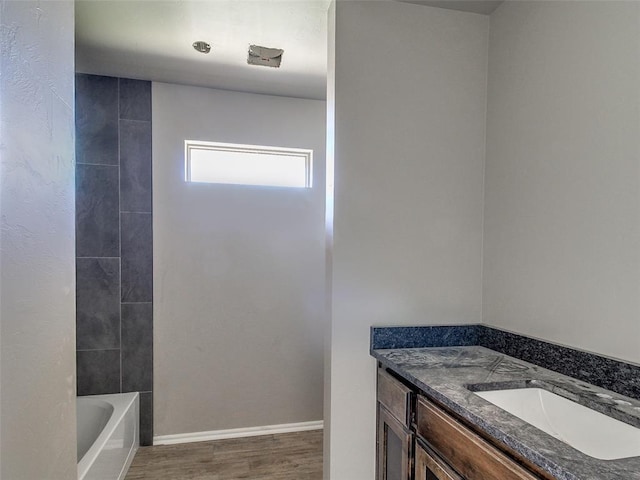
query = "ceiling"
{"x": 152, "y": 40}
{"x": 485, "y": 7}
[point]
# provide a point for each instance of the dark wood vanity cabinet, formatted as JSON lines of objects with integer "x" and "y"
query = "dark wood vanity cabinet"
{"x": 394, "y": 436}
{"x": 419, "y": 440}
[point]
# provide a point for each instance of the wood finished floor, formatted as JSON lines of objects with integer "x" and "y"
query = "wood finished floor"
{"x": 287, "y": 456}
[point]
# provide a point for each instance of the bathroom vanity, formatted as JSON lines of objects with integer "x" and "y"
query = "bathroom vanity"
{"x": 433, "y": 423}
{"x": 428, "y": 429}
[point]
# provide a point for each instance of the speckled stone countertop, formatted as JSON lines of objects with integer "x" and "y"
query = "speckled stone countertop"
{"x": 448, "y": 373}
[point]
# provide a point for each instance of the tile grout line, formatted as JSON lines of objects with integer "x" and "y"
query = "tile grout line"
{"x": 97, "y": 349}
{"x": 150, "y": 333}
{"x": 120, "y": 228}
{"x": 97, "y": 164}
{"x": 132, "y": 119}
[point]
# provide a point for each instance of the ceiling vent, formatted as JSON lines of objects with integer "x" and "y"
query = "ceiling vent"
{"x": 202, "y": 47}
{"x": 266, "y": 57}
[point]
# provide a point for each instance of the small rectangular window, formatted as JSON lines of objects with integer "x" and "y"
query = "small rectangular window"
{"x": 228, "y": 163}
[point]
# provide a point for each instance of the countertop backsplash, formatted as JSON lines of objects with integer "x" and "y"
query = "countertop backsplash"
{"x": 611, "y": 374}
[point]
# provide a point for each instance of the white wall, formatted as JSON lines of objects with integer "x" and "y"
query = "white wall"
{"x": 410, "y": 97}
{"x": 37, "y": 304}
{"x": 562, "y": 215}
{"x": 239, "y": 271}
{"x": 329, "y": 207}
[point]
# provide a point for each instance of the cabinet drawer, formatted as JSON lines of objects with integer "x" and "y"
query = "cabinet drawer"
{"x": 469, "y": 454}
{"x": 394, "y": 396}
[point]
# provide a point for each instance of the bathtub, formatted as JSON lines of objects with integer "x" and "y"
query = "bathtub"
{"x": 108, "y": 435}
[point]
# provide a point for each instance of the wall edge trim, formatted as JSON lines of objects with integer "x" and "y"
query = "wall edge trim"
{"x": 236, "y": 433}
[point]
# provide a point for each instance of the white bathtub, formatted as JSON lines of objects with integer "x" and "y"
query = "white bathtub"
{"x": 108, "y": 435}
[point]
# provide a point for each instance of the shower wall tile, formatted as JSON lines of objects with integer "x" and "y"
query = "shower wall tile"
{"x": 96, "y": 119}
{"x": 146, "y": 418}
{"x": 113, "y": 246}
{"x": 97, "y": 303}
{"x": 137, "y": 347}
{"x": 137, "y": 257}
{"x": 135, "y": 99}
{"x": 98, "y": 371}
{"x": 135, "y": 166}
{"x": 97, "y": 211}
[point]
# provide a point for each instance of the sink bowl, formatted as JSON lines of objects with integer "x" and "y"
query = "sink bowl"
{"x": 584, "y": 429}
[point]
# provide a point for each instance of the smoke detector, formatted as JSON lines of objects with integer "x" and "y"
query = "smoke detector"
{"x": 263, "y": 56}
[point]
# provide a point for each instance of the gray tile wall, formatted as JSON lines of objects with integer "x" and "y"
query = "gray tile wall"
{"x": 114, "y": 241}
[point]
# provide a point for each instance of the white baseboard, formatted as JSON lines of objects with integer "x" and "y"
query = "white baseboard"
{"x": 236, "y": 433}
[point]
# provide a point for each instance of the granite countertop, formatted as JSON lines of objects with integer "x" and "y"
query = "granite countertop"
{"x": 444, "y": 373}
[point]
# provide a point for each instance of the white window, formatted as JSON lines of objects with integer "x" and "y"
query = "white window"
{"x": 209, "y": 162}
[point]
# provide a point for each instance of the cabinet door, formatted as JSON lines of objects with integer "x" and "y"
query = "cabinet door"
{"x": 394, "y": 447}
{"x": 430, "y": 467}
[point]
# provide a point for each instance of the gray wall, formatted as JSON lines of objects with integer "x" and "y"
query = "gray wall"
{"x": 239, "y": 270}
{"x": 410, "y": 85}
{"x": 37, "y": 328}
{"x": 562, "y": 214}
{"x": 114, "y": 241}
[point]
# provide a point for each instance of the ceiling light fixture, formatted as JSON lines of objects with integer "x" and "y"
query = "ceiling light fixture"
{"x": 202, "y": 47}
{"x": 266, "y": 57}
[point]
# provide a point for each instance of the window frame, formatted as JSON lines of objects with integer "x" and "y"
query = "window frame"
{"x": 307, "y": 154}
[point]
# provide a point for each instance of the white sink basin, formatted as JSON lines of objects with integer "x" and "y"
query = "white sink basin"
{"x": 586, "y": 430}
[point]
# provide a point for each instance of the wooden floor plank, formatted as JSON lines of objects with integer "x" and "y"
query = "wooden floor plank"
{"x": 287, "y": 456}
